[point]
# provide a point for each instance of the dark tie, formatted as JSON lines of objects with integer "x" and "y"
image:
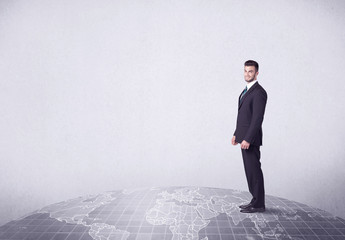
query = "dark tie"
{"x": 244, "y": 92}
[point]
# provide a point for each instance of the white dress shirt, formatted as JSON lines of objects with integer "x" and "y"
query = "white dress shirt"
{"x": 249, "y": 85}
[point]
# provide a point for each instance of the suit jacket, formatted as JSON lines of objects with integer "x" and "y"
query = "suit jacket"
{"x": 251, "y": 110}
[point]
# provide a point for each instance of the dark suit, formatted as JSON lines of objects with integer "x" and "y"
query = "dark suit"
{"x": 251, "y": 110}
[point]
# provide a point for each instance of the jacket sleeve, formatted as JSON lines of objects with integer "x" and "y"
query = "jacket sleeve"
{"x": 259, "y": 105}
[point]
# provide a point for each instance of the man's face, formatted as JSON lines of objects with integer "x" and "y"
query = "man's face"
{"x": 250, "y": 74}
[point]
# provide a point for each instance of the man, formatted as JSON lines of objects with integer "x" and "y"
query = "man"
{"x": 251, "y": 110}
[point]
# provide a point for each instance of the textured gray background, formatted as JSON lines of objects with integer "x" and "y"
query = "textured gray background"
{"x": 104, "y": 95}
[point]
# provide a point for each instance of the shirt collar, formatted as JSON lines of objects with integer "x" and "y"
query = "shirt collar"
{"x": 249, "y": 85}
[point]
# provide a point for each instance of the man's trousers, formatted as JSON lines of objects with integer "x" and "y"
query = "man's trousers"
{"x": 255, "y": 178}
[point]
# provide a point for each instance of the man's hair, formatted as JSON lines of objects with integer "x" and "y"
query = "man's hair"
{"x": 252, "y": 63}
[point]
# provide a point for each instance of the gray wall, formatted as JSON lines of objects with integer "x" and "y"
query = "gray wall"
{"x": 105, "y": 95}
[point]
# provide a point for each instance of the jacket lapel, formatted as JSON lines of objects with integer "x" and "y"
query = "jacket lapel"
{"x": 240, "y": 101}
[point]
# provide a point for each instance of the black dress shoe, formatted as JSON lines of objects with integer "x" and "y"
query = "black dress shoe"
{"x": 252, "y": 210}
{"x": 245, "y": 206}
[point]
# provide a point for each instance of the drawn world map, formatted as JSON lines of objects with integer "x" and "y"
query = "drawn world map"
{"x": 174, "y": 213}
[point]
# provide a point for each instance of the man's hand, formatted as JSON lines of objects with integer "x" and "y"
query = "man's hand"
{"x": 233, "y": 141}
{"x": 245, "y": 144}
